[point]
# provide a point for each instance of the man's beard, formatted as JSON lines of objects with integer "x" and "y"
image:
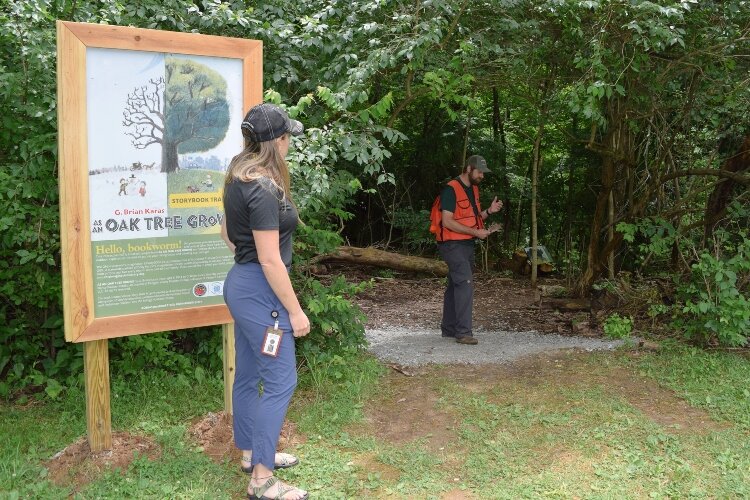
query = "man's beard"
{"x": 474, "y": 181}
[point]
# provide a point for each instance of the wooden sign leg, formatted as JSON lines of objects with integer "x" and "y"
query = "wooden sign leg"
{"x": 98, "y": 413}
{"x": 227, "y": 332}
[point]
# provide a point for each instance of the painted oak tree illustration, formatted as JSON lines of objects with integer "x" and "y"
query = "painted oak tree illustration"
{"x": 185, "y": 111}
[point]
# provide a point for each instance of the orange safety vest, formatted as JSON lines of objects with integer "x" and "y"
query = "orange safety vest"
{"x": 463, "y": 214}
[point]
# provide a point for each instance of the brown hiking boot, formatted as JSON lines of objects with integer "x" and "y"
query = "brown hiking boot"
{"x": 467, "y": 340}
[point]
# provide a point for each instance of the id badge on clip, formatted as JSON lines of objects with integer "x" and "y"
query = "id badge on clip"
{"x": 272, "y": 340}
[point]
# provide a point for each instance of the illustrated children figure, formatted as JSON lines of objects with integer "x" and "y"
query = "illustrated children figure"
{"x": 123, "y": 187}
{"x": 209, "y": 183}
{"x": 142, "y": 188}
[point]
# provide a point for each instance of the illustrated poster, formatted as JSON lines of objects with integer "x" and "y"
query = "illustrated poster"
{"x": 162, "y": 129}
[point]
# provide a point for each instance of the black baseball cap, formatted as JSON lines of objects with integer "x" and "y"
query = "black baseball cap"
{"x": 266, "y": 122}
{"x": 479, "y": 163}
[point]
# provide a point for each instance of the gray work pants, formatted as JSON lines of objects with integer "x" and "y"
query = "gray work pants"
{"x": 459, "y": 294}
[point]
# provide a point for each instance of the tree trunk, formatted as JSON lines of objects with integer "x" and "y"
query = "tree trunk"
{"x": 498, "y": 134}
{"x": 466, "y": 140}
{"x": 592, "y": 261}
{"x": 534, "y": 180}
{"x": 379, "y": 258}
{"x": 721, "y": 196}
{"x": 168, "y": 157}
{"x": 536, "y": 164}
{"x": 611, "y": 234}
{"x": 519, "y": 212}
{"x": 568, "y": 245}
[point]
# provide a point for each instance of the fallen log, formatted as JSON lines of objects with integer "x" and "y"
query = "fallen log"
{"x": 380, "y": 258}
{"x": 566, "y": 304}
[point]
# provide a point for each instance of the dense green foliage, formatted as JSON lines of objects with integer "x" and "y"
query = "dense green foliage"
{"x": 642, "y": 101}
{"x": 618, "y": 327}
{"x": 714, "y": 306}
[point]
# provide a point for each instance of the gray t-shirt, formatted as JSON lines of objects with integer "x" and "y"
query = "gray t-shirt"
{"x": 258, "y": 205}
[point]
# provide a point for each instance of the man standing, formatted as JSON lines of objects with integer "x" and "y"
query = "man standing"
{"x": 462, "y": 222}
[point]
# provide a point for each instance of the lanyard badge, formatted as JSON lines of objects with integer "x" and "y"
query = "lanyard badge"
{"x": 272, "y": 340}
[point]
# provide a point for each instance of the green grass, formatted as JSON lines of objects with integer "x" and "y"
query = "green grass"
{"x": 718, "y": 382}
{"x": 195, "y": 177}
{"x": 572, "y": 435}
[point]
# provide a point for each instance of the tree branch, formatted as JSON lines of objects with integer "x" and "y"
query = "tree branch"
{"x": 738, "y": 178}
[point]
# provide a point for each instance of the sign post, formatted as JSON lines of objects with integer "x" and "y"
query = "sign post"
{"x": 98, "y": 413}
{"x": 227, "y": 333}
{"x": 148, "y": 122}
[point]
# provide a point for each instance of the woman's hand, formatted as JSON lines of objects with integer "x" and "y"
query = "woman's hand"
{"x": 300, "y": 323}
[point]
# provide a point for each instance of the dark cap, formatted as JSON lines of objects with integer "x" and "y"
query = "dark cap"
{"x": 479, "y": 163}
{"x": 266, "y": 122}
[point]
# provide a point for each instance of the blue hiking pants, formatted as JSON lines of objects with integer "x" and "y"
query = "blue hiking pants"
{"x": 258, "y": 414}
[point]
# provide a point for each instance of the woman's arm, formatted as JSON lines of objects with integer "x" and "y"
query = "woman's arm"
{"x": 267, "y": 245}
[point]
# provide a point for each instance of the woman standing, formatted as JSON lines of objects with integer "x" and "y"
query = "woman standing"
{"x": 260, "y": 219}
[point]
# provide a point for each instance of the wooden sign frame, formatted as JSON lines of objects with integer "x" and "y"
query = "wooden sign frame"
{"x": 73, "y": 39}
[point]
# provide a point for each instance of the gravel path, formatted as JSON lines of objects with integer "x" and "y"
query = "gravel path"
{"x": 415, "y": 346}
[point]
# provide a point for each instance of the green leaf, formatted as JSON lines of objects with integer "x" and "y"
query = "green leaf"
{"x": 53, "y": 388}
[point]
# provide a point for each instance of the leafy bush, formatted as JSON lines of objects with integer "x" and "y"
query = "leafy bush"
{"x": 711, "y": 304}
{"x": 186, "y": 354}
{"x": 618, "y": 327}
{"x": 337, "y": 325}
{"x": 654, "y": 239}
{"x": 33, "y": 352}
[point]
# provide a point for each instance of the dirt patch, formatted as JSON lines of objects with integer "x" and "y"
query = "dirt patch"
{"x": 410, "y": 412}
{"x": 404, "y": 302}
{"x": 77, "y": 466}
{"x": 457, "y": 495}
{"x": 499, "y": 304}
{"x": 213, "y": 433}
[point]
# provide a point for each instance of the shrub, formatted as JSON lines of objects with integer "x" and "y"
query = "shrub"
{"x": 618, "y": 327}
{"x": 33, "y": 352}
{"x": 711, "y": 306}
{"x": 337, "y": 325}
